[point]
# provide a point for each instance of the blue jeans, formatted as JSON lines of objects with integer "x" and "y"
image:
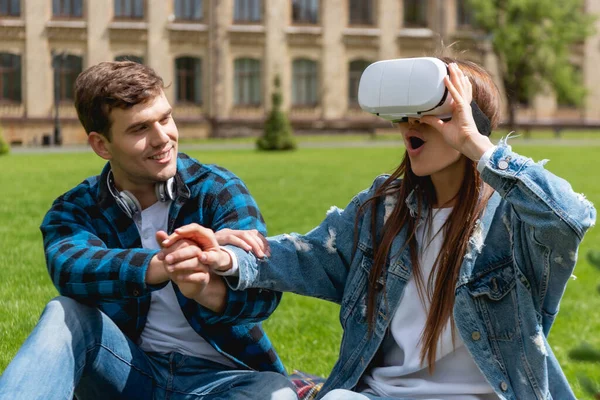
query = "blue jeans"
{"x": 76, "y": 350}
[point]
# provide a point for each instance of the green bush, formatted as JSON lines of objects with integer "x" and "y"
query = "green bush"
{"x": 4, "y": 146}
{"x": 278, "y": 133}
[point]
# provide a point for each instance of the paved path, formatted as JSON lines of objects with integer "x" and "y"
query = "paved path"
{"x": 309, "y": 145}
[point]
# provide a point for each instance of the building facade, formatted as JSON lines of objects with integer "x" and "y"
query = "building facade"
{"x": 221, "y": 58}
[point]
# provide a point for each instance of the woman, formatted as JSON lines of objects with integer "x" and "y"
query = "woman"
{"x": 449, "y": 272}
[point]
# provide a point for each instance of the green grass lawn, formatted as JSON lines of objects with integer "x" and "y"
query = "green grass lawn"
{"x": 294, "y": 190}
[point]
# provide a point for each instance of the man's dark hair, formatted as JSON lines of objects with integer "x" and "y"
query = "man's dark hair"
{"x": 108, "y": 85}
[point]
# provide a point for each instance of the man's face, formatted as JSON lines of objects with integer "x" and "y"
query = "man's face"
{"x": 143, "y": 145}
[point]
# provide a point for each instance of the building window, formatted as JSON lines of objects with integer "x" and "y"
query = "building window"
{"x": 247, "y": 11}
{"x": 10, "y": 77}
{"x": 129, "y": 9}
{"x": 356, "y": 68}
{"x": 188, "y": 10}
{"x": 361, "y": 12}
{"x": 188, "y": 80}
{"x": 464, "y": 14}
{"x": 306, "y": 83}
{"x": 247, "y": 82}
{"x": 139, "y": 60}
{"x": 415, "y": 13}
{"x": 67, "y": 8}
{"x": 305, "y": 11}
{"x": 10, "y": 8}
{"x": 66, "y": 69}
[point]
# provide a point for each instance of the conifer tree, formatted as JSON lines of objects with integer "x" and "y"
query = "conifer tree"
{"x": 278, "y": 134}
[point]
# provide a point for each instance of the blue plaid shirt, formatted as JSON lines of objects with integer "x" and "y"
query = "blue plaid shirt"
{"x": 94, "y": 254}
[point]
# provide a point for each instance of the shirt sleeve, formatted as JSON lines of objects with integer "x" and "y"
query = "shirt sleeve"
{"x": 233, "y": 271}
{"x": 80, "y": 263}
{"x": 484, "y": 159}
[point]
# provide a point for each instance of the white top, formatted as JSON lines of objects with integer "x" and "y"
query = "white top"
{"x": 166, "y": 329}
{"x": 401, "y": 374}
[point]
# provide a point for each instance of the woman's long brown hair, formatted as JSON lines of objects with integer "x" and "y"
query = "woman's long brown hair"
{"x": 470, "y": 201}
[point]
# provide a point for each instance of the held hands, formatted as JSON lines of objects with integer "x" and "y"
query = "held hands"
{"x": 211, "y": 254}
{"x": 192, "y": 251}
{"x": 461, "y": 131}
{"x": 182, "y": 266}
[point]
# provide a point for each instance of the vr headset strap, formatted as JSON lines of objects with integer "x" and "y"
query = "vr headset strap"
{"x": 484, "y": 126}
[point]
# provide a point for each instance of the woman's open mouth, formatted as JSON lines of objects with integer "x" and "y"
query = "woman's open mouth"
{"x": 416, "y": 142}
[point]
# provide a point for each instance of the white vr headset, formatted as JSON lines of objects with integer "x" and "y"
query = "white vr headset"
{"x": 410, "y": 87}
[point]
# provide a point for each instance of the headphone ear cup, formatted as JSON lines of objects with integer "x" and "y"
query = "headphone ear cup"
{"x": 128, "y": 203}
{"x": 165, "y": 190}
{"x": 159, "y": 189}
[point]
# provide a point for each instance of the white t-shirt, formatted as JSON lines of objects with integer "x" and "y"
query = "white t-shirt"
{"x": 166, "y": 328}
{"x": 401, "y": 374}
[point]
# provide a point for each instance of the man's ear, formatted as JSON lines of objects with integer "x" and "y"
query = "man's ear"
{"x": 100, "y": 144}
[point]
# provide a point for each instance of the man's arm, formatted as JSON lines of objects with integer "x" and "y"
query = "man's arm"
{"x": 81, "y": 265}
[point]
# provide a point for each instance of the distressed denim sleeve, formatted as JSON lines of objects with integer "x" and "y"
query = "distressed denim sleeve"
{"x": 547, "y": 223}
{"x": 315, "y": 264}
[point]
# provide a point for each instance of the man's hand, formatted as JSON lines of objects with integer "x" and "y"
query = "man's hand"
{"x": 183, "y": 267}
{"x": 211, "y": 254}
{"x": 181, "y": 263}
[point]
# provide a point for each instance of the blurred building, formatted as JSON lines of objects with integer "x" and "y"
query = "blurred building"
{"x": 221, "y": 58}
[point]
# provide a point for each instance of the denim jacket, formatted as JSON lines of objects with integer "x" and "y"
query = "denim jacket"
{"x": 518, "y": 261}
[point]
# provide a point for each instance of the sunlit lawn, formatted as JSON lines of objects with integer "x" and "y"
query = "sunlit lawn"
{"x": 294, "y": 190}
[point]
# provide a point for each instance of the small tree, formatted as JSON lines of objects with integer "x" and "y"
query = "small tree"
{"x": 533, "y": 40}
{"x": 585, "y": 352}
{"x": 278, "y": 133}
{"x": 4, "y": 146}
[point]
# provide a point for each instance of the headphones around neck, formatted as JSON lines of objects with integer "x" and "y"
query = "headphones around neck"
{"x": 127, "y": 202}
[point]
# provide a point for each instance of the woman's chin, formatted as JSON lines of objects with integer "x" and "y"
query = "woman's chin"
{"x": 420, "y": 172}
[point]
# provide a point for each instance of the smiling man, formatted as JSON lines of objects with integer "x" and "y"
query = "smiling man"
{"x": 124, "y": 325}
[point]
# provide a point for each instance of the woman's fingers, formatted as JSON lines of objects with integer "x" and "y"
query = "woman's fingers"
{"x": 249, "y": 240}
{"x": 236, "y": 241}
{"x": 459, "y": 86}
{"x": 453, "y": 91}
{"x": 232, "y": 237}
{"x": 257, "y": 245}
{"x": 434, "y": 122}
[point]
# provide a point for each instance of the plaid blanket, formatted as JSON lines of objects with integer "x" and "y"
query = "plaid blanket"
{"x": 307, "y": 385}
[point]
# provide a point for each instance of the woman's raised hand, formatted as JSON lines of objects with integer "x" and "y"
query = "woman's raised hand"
{"x": 461, "y": 131}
